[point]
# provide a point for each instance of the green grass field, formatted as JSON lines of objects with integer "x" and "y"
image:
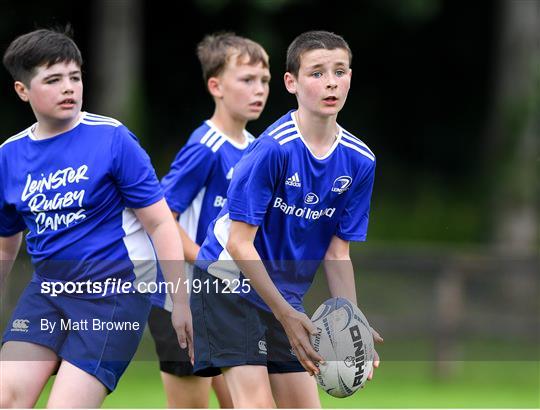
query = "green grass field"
{"x": 396, "y": 385}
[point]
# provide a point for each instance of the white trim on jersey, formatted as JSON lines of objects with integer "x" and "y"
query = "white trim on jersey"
{"x": 100, "y": 118}
{"x": 224, "y": 267}
{"x": 347, "y": 135}
{"x": 112, "y": 124}
{"x": 18, "y": 136}
{"x": 213, "y": 139}
{"x": 33, "y": 137}
{"x": 285, "y": 124}
{"x": 286, "y": 132}
{"x": 189, "y": 219}
{"x": 218, "y": 144}
{"x": 139, "y": 248}
{"x": 332, "y": 148}
{"x": 357, "y": 149}
{"x": 249, "y": 136}
{"x": 234, "y": 143}
{"x": 289, "y": 139}
{"x": 205, "y": 137}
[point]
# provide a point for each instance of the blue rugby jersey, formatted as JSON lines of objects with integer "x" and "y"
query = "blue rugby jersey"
{"x": 75, "y": 193}
{"x": 298, "y": 200}
{"x": 196, "y": 185}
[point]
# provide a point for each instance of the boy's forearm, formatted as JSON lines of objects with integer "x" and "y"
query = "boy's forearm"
{"x": 191, "y": 249}
{"x": 171, "y": 258}
{"x": 9, "y": 248}
{"x": 340, "y": 278}
{"x": 248, "y": 260}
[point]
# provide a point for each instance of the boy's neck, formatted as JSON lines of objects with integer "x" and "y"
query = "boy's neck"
{"x": 45, "y": 129}
{"x": 231, "y": 127}
{"x": 319, "y": 132}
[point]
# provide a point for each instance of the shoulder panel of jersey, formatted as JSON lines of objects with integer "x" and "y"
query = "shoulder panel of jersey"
{"x": 94, "y": 119}
{"x": 20, "y": 135}
{"x": 283, "y": 130}
{"x": 356, "y": 144}
{"x": 208, "y": 136}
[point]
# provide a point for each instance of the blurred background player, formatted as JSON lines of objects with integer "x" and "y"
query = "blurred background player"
{"x": 236, "y": 73}
{"x": 297, "y": 197}
{"x": 86, "y": 191}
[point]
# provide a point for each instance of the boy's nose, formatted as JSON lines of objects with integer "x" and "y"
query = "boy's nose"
{"x": 67, "y": 87}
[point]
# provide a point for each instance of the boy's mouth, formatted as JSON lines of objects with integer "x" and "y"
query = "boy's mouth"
{"x": 330, "y": 98}
{"x": 67, "y": 101}
{"x": 257, "y": 105}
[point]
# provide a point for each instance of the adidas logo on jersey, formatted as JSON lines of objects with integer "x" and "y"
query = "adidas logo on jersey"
{"x": 293, "y": 181}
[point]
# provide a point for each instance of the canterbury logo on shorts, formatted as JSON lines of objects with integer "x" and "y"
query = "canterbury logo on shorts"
{"x": 20, "y": 325}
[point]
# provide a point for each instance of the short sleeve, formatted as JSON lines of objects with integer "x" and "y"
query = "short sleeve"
{"x": 133, "y": 171}
{"x": 11, "y": 222}
{"x": 189, "y": 173}
{"x": 254, "y": 182}
{"x": 353, "y": 224}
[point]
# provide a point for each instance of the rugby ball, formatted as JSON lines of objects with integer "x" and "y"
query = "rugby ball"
{"x": 345, "y": 342}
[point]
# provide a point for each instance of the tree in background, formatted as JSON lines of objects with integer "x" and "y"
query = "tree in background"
{"x": 513, "y": 129}
{"x": 116, "y": 61}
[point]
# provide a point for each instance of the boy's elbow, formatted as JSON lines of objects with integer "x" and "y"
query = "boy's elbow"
{"x": 333, "y": 255}
{"x": 232, "y": 247}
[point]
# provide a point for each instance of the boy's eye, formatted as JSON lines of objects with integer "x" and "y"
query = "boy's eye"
{"x": 76, "y": 78}
{"x": 316, "y": 74}
{"x": 340, "y": 73}
{"x": 52, "y": 81}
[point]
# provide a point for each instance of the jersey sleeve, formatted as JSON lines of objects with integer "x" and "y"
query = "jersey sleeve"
{"x": 133, "y": 171}
{"x": 11, "y": 222}
{"x": 189, "y": 173}
{"x": 354, "y": 220}
{"x": 254, "y": 182}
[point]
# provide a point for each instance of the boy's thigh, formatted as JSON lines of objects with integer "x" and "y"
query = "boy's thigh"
{"x": 281, "y": 356}
{"x": 295, "y": 390}
{"x": 172, "y": 358}
{"x": 292, "y": 386}
{"x": 249, "y": 386}
{"x": 228, "y": 331}
{"x": 104, "y": 334}
{"x": 23, "y": 380}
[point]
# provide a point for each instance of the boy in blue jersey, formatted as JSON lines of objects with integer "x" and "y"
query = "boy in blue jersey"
{"x": 236, "y": 73}
{"x": 298, "y": 197}
{"x": 86, "y": 191}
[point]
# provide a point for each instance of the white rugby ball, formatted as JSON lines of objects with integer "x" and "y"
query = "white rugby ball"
{"x": 345, "y": 342}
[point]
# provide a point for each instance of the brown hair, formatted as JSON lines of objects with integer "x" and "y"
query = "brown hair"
{"x": 313, "y": 40}
{"x": 215, "y": 50}
{"x": 39, "y": 47}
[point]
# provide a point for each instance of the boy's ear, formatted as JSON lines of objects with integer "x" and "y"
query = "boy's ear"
{"x": 214, "y": 87}
{"x": 290, "y": 82}
{"x": 21, "y": 90}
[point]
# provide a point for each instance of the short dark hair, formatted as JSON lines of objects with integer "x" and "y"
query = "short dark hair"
{"x": 215, "y": 50}
{"x": 313, "y": 40}
{"x": 37, "y": 48}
